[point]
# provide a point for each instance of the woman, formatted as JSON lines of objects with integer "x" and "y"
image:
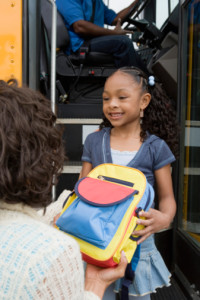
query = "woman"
{"x": 36, "y": 260}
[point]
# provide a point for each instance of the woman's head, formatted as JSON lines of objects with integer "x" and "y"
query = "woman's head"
{"x": 159, "y": 116}
{"x": 31, "y": 151}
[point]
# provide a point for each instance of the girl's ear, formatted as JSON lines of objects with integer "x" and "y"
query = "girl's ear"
{"x": 146, "y": 98}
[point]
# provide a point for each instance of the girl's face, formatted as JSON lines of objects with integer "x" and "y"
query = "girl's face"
{"x": 123, "y": 100}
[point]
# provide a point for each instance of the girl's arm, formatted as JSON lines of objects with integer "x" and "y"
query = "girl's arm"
{"x": 157, "y": 220}
{"x": 167, "y": 204}
{"x": 86, "y": 168}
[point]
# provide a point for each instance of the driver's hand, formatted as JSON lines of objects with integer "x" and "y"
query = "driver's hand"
{"x": 119, "y": 30}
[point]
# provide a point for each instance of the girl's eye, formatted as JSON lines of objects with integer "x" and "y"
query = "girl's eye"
{"x": 105, "y": 98}
{"x": 122, "y": 97}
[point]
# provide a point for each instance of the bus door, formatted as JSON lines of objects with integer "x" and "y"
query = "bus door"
{"x": 187, "y": 233}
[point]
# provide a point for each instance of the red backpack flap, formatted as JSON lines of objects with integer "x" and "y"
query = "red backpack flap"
{"x": 102, "y": 193}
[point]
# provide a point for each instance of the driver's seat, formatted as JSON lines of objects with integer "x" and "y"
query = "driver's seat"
{"x": 89, "y": 69}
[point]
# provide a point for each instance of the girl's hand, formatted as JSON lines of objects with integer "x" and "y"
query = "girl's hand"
{"x": 154, "y": 222}
{"x": 98, "y": 279}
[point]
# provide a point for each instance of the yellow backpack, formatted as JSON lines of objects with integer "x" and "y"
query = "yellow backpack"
{"x": 101, "y": 213}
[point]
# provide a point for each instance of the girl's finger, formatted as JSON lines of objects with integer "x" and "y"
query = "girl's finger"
{"x": 145, "y": 214}
{"x": 142, "y": 231}
{"x": 146, "y": 222}
{"x": 143, "y": 238}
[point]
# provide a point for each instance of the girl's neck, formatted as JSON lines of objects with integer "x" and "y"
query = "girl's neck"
{"x": 125, "y": 140}
{"x": 126, "y": 133}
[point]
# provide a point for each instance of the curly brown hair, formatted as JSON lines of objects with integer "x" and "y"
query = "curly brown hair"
{"x": 159, "y": 116}
{"x": 31, "y": 149}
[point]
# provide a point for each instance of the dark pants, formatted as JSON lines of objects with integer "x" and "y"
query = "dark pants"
{"x": 121, "y": 47}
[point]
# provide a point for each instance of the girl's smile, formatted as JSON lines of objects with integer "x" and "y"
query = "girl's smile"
{"x": 115, "y": 116}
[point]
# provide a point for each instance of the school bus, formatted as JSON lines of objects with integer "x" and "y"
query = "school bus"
{"x": 167, "y": 36}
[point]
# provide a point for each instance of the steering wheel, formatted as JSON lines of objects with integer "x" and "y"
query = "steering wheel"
{"x": 136, "y": 9}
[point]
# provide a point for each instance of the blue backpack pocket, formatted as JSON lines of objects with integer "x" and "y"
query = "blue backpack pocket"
{"x": 96, "y": 225}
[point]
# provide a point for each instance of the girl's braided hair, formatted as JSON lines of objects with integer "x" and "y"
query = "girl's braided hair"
{"x": 159, "y": 116}
{"x": 31, "y": 150}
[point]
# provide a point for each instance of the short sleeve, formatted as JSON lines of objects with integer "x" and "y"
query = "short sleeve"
{"x": 109, "y": 15}
{"x": 71, "y": 10}
{"x": 163, "y": 155}
{"x": 87, "y": 154}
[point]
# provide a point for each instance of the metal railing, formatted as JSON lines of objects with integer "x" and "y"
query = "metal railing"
{"x": 53, "y": 68}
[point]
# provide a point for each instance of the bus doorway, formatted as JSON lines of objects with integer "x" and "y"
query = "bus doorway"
{"x": 168, "y": 40}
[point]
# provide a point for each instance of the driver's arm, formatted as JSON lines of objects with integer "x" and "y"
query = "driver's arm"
{"x": 88, "y": 29}
{"x": 124, "y": 12}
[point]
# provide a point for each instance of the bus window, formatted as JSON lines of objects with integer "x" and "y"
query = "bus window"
{"x": 117, "y": 5}
{"x": 163, "y": 10}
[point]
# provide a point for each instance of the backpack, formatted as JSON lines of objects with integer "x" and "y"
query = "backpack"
{"x": 101, "y": 214}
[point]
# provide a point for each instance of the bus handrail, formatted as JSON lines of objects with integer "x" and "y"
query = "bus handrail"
{"x": 53, "y": 56}
{"x": 53, "y": 68}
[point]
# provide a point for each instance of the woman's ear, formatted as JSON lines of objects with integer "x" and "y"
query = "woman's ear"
{"x": 146, "y": 98}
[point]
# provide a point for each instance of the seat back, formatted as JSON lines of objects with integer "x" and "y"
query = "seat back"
{"x": 62, "y": 39}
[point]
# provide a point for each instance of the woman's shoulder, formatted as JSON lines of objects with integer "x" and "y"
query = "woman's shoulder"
{"x": 25, "y": 221}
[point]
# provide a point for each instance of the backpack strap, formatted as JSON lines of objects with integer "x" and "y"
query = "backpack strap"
{"x": 67, "y": 198}
{"x": 135, "y": 258}
{"x": 130, "y": 274}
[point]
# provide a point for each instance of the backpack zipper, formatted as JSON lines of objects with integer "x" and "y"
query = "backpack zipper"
{"x": 115, "y": 180}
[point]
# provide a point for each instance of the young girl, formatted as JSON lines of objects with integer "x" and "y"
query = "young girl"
{"x": 138, "y": 117}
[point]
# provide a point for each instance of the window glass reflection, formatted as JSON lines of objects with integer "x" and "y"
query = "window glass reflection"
{"x": 173, "y": 4}
{"x": 162, "y": 12}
